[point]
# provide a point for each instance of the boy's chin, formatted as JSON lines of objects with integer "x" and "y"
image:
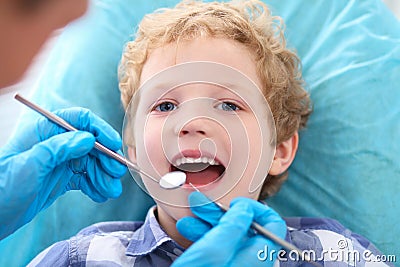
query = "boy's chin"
{"x": 173, "y": 212}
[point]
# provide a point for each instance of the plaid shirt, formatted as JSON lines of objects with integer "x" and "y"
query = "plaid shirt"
{"x": 146, "y": 244}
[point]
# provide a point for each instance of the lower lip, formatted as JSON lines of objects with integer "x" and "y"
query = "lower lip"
{"x": 202, "y": 187}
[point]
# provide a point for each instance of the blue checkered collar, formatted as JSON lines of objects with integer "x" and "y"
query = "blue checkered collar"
{"x": 151, "y": 236}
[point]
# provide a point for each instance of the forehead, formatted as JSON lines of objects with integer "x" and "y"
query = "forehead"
{"x": 218, "y": 50}
{"x": 201, "y": 77}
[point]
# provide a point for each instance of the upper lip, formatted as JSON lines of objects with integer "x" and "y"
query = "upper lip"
{"x": 194, "y": 156}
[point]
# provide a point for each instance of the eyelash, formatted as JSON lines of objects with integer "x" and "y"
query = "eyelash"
{"x": 158, "y": 106}
{"x": 224, "y": 105}
{"x": 229, "y": 105}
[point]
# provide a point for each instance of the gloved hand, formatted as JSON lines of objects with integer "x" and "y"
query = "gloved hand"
{"x": 227, "y": 239}
{"x": 43, "y": 161}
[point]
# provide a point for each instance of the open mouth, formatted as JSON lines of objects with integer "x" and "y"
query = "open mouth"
{"x": 199, "y": 171}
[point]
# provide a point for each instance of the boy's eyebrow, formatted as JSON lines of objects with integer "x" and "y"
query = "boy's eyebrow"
{"x": 170, "y": 85}
{"x": 156, "y": 86}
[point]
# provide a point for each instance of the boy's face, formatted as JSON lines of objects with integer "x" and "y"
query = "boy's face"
{"x": 215, "y": 124}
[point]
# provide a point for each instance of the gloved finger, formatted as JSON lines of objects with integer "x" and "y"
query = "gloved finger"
{"x": 44, "y": 157}
{"x": 264, "y": 215}
{"x": 192, "y": 228}
{"x": 204, "y": 208}
{"x": 94, "y": 180}
{"x": 236, "y": 220}
{"x": 85, "y": 120}
{"x": 249, "y": 255}
{"x": 83, "y": 183}
{"x": 106, "y": 185}
{"x": 44, "y": 128}
{"x": 111, "y": 166}
{"x": 32, "y": 133}
{"x": 61, "y": 148}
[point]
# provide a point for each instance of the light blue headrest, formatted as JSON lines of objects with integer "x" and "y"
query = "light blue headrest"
{"x": 348, "y": 163}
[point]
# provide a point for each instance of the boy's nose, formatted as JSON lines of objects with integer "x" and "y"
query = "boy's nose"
{"x": 194, "y": 127}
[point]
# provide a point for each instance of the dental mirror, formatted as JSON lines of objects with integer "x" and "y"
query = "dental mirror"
{"x": 173, "y": 180}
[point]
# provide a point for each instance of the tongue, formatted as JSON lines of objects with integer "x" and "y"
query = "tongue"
{"x": 206, "y": 176}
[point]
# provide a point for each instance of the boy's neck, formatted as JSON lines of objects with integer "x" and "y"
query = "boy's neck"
{"x": 168, "y": 224}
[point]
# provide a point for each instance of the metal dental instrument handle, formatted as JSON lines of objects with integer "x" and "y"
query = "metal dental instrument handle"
{"x": 59, "y": 121}
{"x": 264, "y": 232}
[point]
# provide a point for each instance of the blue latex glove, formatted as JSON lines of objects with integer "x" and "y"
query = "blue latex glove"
{"x": 43, "y": 161}
{"x": 227, "y": 239}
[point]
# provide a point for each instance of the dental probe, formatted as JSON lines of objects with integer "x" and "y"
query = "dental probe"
{"x": 59, "y": 121}
{"x": 264, "y": 232}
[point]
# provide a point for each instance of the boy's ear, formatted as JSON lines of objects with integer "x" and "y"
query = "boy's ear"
{"x": 284, "y": 155}
{"x": 132, "y": 154}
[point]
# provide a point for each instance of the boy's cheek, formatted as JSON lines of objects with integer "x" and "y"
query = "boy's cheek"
{"x": 149, "y": 142}
{"x": 153, "y": 151}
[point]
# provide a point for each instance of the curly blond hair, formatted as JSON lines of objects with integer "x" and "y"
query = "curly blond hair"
{"x": 248, "y": 22}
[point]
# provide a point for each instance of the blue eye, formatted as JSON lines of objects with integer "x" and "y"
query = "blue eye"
{"x": 228, "y": 106}
{"x": 165, "y": 107}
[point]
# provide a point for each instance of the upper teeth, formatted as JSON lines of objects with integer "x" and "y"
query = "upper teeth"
{"x": 181, "y": 161}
